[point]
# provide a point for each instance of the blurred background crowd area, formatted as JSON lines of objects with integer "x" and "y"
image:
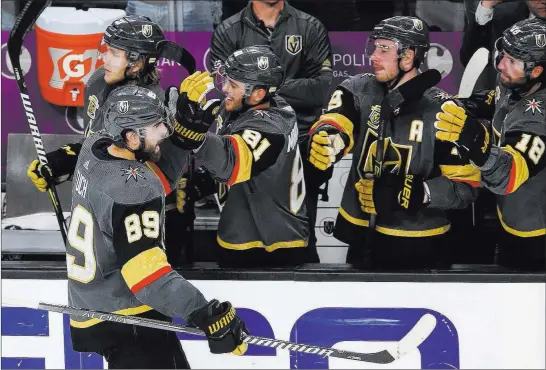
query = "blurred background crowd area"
{"x": 337, "y": 15}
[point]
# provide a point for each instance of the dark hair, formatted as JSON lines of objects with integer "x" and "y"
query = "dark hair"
{"x": 147, "y": 75}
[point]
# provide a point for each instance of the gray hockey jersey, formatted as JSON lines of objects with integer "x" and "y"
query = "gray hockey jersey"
{"x": 115, "y": 251}
{"x": 410, "y": 147}
{"x": 516, "y": 171}
{"x": 257, "y": 155}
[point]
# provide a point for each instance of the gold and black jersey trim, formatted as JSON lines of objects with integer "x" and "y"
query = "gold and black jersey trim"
{"x": 396, "y": 232}
{"x": 260, "y": 244}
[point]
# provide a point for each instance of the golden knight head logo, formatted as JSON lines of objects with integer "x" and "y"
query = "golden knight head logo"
{"x": 263, "y": 63}
{"x": 418, "y": 24}
{"x": 147, "y": 30}
{"x": 93, "y": 106}
{"x": 540, "y": 40}
{"x": 373, "y": 118}
{"x": 293, "y": 44}
{"x": 123, "y": 106}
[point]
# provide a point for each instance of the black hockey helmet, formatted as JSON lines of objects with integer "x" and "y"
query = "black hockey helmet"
{"x": 138, "y": 36}
{"x": 131, "y": 107}
{"x": 255, "y": 66}
{"x": 406, "y": 32}
{"x": 526, "y": 41}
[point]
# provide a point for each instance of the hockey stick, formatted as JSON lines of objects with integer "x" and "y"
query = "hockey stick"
{"x": 23, "y": 24}
{"x": 413, "y": 339}
{"x": 472, "y": 72}
{"x": 409, "y": 91}
{"x": 172, "y": 51}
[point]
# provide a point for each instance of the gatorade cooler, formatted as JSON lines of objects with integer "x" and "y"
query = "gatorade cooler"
{"x": 67, "y": 42}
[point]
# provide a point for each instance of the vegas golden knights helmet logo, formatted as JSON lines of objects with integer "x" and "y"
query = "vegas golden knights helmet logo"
{"x": 123, "y": 106}
{"x": 293, "y": 44}
{"x": 147, "y": 30}
{"x": 263, "y": 63}
{"x": 540, "y": 40}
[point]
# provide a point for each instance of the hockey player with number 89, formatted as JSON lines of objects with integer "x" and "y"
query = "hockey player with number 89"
{"x": 421, "y": 177}
{"x": 255, "y": 152}
{"x": 116, "y": 258}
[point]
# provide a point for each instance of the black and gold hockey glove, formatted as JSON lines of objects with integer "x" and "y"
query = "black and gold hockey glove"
{"x": 222, "y": 326}
{"x": 391, "y": 193}
{"x": 200, "y": 186}
{"x": 469, "y": 134}
{"x": 60, "y": 167}
{"x": 193, "y": 115}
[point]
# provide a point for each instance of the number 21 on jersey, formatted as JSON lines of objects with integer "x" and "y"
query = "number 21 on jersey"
{"x": 81, "y": 238}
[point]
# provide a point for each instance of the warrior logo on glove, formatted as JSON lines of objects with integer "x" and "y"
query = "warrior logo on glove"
{"x": 222, "y": 322}
{"x": 194, "y": 114}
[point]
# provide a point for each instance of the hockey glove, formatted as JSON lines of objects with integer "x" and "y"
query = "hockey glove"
{"x": 222, "y": 326}
{"x": 469, "y": 134}
{"x": 60, "y": 167}
{"x": 480, "y": 104}
{"x": 365, "y": 196}
{"x": 192, "y": 117}
{"x": 202, "y": 184}
{"x": 391, "y": 193}
{"x": 325, "y": 149}
{"x": 40, "y": 174}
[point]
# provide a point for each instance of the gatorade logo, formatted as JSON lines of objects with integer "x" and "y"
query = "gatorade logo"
{"x": 67, "y": 64}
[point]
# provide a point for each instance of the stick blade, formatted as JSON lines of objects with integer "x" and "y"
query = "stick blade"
{"x": 417, "y": 335}
{"x": 14, "y": 302}
{"x": 472, "y": 72}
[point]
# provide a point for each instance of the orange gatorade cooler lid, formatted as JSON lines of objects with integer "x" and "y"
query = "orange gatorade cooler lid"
{"x": 67, "y": 43}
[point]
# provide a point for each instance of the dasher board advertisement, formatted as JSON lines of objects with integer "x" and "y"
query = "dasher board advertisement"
{"x": 478, "y": 325}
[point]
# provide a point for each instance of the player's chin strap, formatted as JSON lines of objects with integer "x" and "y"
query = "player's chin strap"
{"x": 401, "y": 73}
{"x": 267, "y": 98}
{"x": 392, "y": 83}
{"x": 140, "y": 154}
{"x": 529, "y": 84}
